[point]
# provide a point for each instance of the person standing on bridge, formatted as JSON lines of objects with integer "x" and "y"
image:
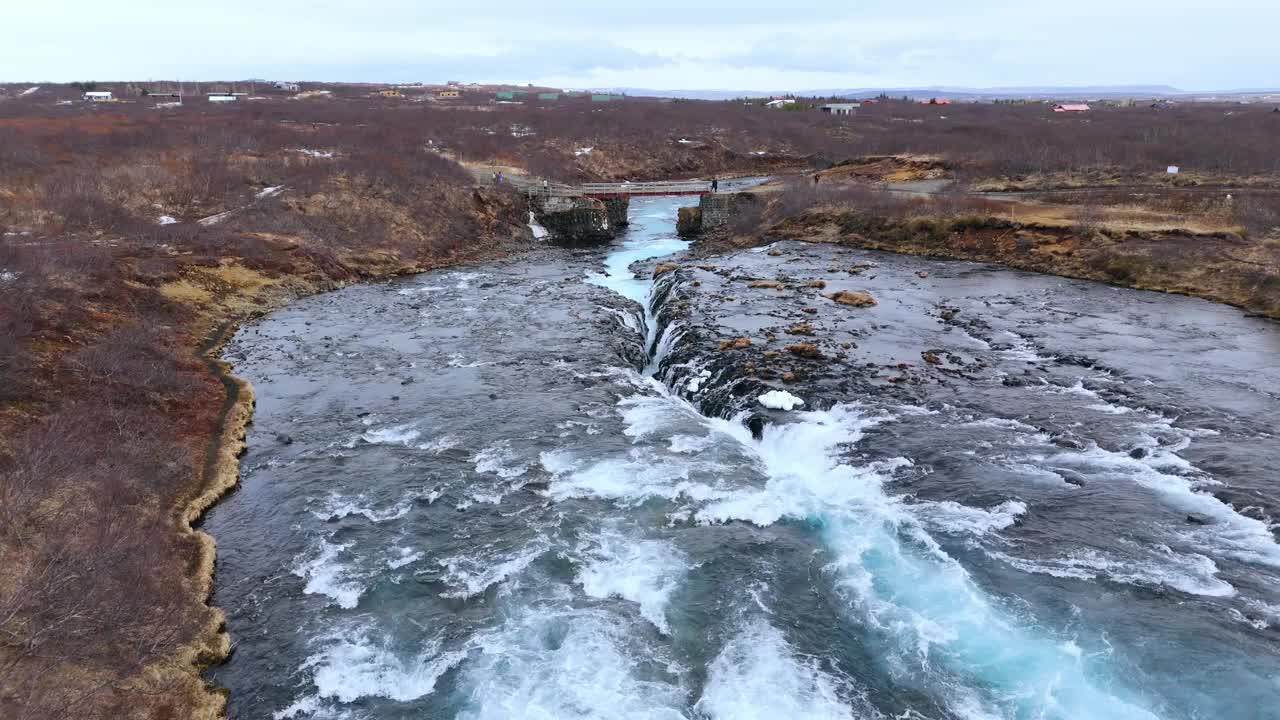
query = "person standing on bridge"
{"x": 715, "y": 184}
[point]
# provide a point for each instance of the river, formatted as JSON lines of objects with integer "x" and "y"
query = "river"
{"x": 548, "y": 487}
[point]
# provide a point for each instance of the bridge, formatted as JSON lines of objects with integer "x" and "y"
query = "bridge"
{"x": 642, "y": 189}
{"x": 546, "y": 189}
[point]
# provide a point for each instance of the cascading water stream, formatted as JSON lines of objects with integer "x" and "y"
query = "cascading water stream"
{"x": 619, "y": 278}
{"x": 936, "y": 629}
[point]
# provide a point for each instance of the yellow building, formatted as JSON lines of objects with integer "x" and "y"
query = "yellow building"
{"x": 448, "y": 94}
{"x": 390, "y": 93}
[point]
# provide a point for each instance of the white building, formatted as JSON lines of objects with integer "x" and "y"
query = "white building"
{"x": 840, "y": 108}
{"x": 780, "y": 103}
{"x": 221, "y": 97}
{"x": 290, "y": 86}
{"x": 98, "y": 96}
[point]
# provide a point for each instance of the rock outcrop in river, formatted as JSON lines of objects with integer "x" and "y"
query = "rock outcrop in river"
{"x": 581, "y": 220}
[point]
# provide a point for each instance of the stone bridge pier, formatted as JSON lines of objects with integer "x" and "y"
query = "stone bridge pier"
{"x": 571, "y": 219}
{"x": 715, "y": 211}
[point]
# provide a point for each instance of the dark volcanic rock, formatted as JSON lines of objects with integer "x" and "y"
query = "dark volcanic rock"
{"x": 575, "y": 220}
{"x": 689, "y": 222}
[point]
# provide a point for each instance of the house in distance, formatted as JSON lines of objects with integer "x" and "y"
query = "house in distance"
{"x": 840, "y": 108}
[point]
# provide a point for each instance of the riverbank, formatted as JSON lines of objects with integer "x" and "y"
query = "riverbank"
{"x": 1236, "y": 269}
{"x": 220, "y": 472}
{"x": 127, "y": 427}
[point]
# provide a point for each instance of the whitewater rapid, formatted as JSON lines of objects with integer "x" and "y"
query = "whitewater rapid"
{"x": 512, "y": 505}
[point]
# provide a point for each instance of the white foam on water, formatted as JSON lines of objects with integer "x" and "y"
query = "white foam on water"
{"x": 547, "y": 663}
{"x": 441, "y": 444}
{"x": 666, "y": 342}
{"x": 1037, "y": 474}
{"x": 757, "y": 675}
{"x": 1077, "y": 388}
{"x": 1177, "y": 482}
{"x": 570, "y": 428}
{"x": 471, "y": 575}
{"x": 803, "y": 478}
{"x": 1110, "y": 409}
{"x": 1007, "y": 424}
{"x": 459, "y": 361}
{"x": 645, "y": 572}
{"x": 933, "y": 625}
{"x": 358, "y": 663}
{"x": 646, "y": 415}
{"x": 394, "y": 435}
{"x": 695, "y": 382}
{"x": 420, "y": 290}
{"x": 1191, "y": 573}
{"x": 464, "y": 279}
{"x": 1022, "y": 350}
{"x": 780, "y": 400}
{"x": 325, "y": 575}
{"x": 487, "y": 498}
{"x": 1264, "y": 614}
{"x": 311, "y": 707}
{"x": 629, "y": 319}
{"x": 627, "y": 482}
{"x": 689, "y": 443}
{"x": 953, "y": 518}
{"x": 1253, "y": 622}
{"x": 404, "y": 556}
{"x": 500, "y": 460}
{"x": 337, "y": 506}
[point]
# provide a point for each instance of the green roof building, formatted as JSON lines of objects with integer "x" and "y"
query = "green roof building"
{"x": 548, "y": 96}
{"x": 601, "y": 97}
{"x": 505, "y": 95}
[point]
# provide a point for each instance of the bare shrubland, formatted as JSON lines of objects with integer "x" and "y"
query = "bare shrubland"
{"x": 107, "y": 406}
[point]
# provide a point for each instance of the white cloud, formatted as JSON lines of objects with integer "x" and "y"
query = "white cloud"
{"x": 662, "y": 43}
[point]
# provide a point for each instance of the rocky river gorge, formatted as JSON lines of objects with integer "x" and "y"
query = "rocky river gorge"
{"x": 562, "y": 486}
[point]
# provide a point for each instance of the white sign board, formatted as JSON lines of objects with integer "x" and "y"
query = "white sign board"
{"x": 1173, "y": 170}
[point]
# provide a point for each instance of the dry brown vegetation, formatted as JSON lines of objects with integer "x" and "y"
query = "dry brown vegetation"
{"x": 111, "y": 415}
{"x": 114, "y": 422}
{"x": 1194, "y": 254}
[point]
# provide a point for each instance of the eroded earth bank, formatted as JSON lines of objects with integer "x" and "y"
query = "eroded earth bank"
{"x": 552, "y": 486}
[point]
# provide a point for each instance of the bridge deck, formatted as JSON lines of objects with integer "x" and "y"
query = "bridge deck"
{"x": 608, "y": 190}
{"x": 681, "y": 187}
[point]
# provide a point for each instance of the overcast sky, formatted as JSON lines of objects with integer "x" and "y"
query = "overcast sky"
{"x": 666, "y": 44}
